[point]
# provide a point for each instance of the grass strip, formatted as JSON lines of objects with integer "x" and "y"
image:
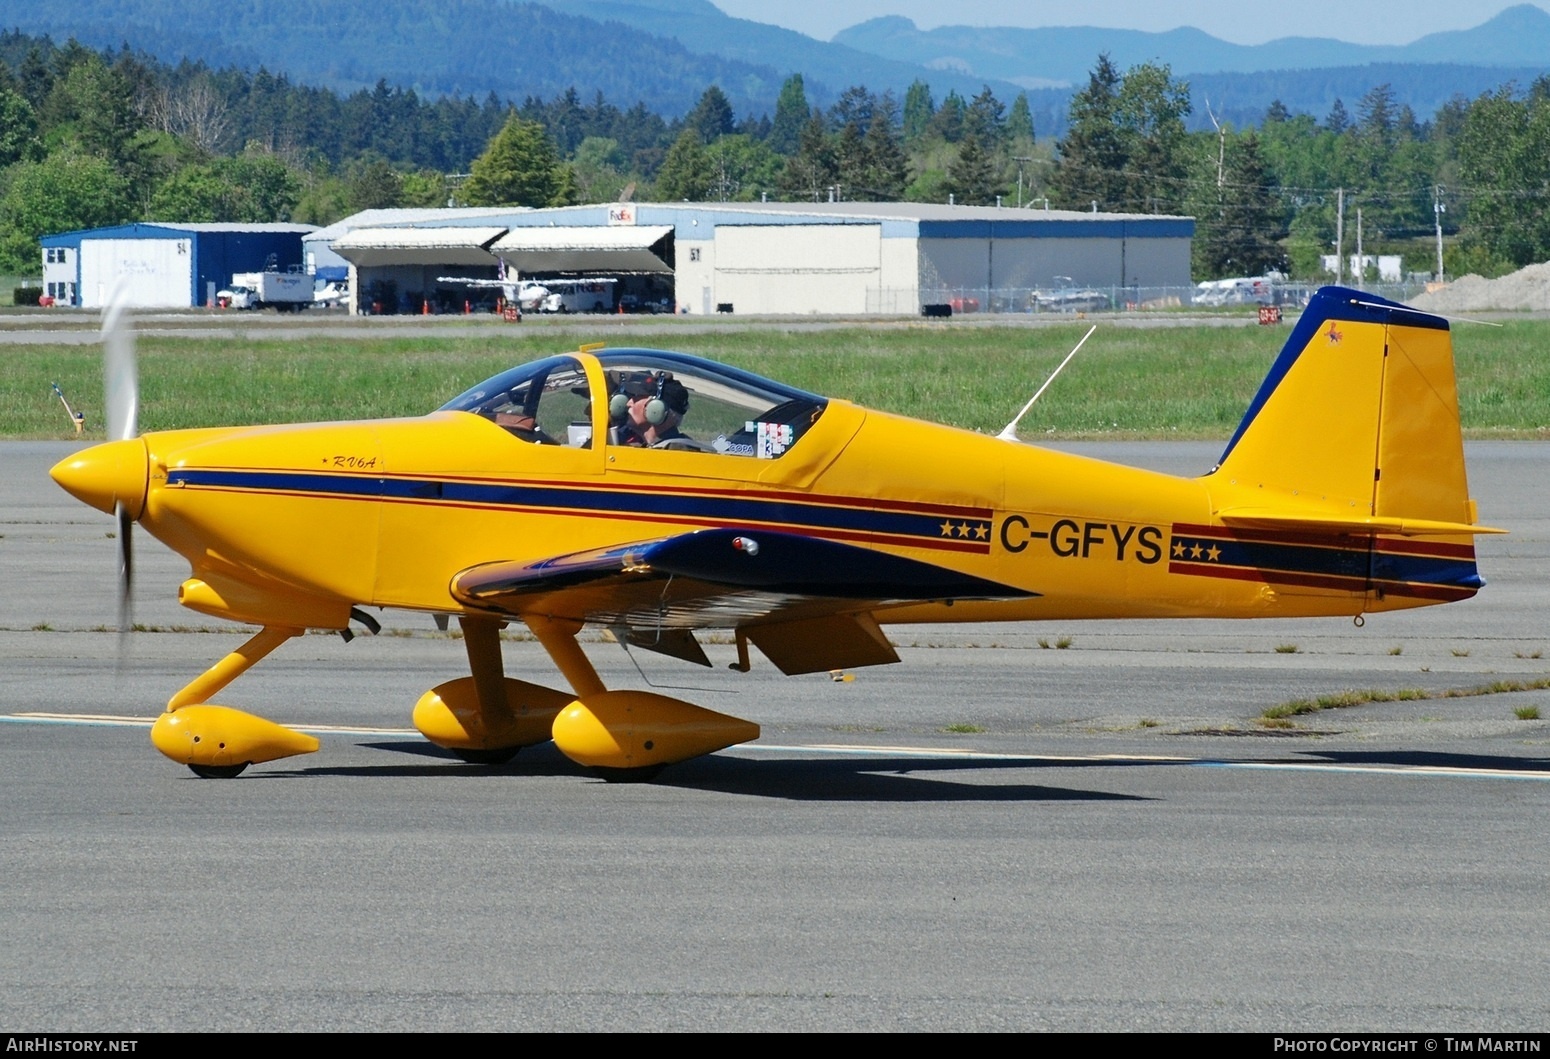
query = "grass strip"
{"x": 1128, "y": 382}
{"x": 1344, "y": 699}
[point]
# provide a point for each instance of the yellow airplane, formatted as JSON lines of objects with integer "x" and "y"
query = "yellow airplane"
{"x": 658, "y": 494}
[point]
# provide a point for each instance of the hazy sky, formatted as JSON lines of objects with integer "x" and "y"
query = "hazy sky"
{"x": 1239, "y": 21}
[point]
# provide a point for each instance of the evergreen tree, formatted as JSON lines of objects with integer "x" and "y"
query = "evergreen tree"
{"x": 985, "y": 120}
{"x": 790, "y": 116}
{"x": 887, "y": 170}
{"x": 373, "y": 183}
{"x": 1092, "y": 159}
{"x": 1338, "y": 120}
{"x": 712, "y": 116}
{"x": 685, "y": 174}
{"x": 520, "y": 167}
{"x": 850, "y": 159}
{"x": 919, "y": 109}
{"x": 971, "y": 177}
{"x": 854, "y": 106}
{"x": 1242, "y": 240}
{"x": 812, "y": 170}
{"x": 1376, "y": 116}
{"x": 1019, "y": 123}
{"x": 948, "y": 122}
{"x": 37, "y": 79}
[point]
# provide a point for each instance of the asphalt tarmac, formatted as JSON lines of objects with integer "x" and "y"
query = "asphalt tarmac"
{"x": 993, "y": 835}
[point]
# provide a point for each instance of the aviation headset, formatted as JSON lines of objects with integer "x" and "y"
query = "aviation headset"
{"x": 656, "y": 408}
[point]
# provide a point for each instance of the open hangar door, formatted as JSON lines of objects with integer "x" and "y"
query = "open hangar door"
{"x": 398, "y": 270}
{"x": 580, "y": 261}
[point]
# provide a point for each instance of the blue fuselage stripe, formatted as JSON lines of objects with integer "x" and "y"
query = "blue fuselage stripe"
{"x": 665, "y": 505}
{"x": 1329, "y": 562}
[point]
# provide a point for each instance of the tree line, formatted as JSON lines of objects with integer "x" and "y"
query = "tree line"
{"x": 90, "y": 139}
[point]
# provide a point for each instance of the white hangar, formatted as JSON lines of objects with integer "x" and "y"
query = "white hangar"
{"x": 775, "y": 258}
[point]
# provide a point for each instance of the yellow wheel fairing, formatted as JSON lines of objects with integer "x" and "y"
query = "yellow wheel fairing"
{"x": 450, "y": 715}
{"x": 639, "y": 729}
{"x": 207, "y": 734}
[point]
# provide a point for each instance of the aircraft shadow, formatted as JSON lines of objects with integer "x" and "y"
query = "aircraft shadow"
{"x": 874, "y": 779}
{"x": 1430, "y": 759}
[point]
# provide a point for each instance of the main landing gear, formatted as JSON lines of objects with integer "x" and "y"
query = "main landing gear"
{"x": 484, "y": 718}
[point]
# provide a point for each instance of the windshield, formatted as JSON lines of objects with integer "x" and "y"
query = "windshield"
{"x": 655, "y": 399}
{"x": 546, "y": 402}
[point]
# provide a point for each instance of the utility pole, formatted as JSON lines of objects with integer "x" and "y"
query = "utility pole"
{"x": 1438, "y": 209}
{"x": 1359, "y": 273}
{"x": 1339, "y": 236}
{"x": 1020, "y": 159}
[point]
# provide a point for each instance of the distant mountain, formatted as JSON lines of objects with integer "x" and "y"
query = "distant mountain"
{"x": 705, "y": 29}
{"x": 1519, "y": 37}
{"x": 660, "y": 52}
{"x": 664, "y": 53}
{"x": 1424, "y": 87}
{"x": 437, "y": 47}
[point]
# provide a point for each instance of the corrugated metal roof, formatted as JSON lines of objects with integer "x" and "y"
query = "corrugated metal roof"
{"x": 622, "y": 237}
{"x": 298, "y": 229}
{"x": 438, "y": 238}
{"x": 420, "y": 215}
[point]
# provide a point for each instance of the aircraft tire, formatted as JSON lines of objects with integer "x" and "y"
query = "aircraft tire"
{"x": 498, "y": 756}
{"x": 218, "y": 772}
{"x": 644, "y": 774}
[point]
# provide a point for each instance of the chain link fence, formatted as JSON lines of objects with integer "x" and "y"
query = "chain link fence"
{"x": 944, "y": 301}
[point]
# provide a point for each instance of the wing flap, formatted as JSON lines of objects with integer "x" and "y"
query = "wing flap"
{"x": 814, "y": 645}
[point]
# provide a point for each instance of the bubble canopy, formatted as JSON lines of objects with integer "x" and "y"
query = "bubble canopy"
{"x": 728, "y": 411}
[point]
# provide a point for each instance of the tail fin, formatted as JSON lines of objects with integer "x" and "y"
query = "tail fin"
{"x": 1347, "y": 473}
{"x": 1356, "y": 425}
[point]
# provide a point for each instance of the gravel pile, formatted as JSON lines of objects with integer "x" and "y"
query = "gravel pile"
{"x": 1527, "y": 289}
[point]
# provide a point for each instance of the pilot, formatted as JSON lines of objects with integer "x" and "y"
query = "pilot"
{"x": 655, "y": 406}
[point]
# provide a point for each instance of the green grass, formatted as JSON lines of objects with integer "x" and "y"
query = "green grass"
{"x": 963, "y": 729}
{"x": 1526, "y": 713}
{"x": 1345, "y": 699}
{"x": 1184, "y": 382}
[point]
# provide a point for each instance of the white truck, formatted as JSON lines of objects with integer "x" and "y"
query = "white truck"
{"x": 286, "y": 291}
{"x": 577, "y": 296}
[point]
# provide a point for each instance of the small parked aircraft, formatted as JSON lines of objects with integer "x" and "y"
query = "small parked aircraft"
{"x": 658, "y": 495}
{"x": 549, "y": 295}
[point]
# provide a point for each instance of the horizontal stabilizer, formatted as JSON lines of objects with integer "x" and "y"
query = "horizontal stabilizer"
{"x": 1359, "y": 524}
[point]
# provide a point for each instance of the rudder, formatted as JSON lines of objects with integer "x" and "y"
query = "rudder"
{"x": 1358, "y": 418}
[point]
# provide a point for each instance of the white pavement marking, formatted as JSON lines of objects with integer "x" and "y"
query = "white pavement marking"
{"x": 110, "y": 721}
{"x": 967, "y": 754}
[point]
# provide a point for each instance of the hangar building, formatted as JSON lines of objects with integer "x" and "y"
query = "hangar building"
{"x": 164, "y": 266}
{"x": 778, "y": 258}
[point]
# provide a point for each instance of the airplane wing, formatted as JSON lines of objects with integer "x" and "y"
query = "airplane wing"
{"x": 568, "y": 284}
{"x": 805, "y": 602}
{"x": 469, "y": 281}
